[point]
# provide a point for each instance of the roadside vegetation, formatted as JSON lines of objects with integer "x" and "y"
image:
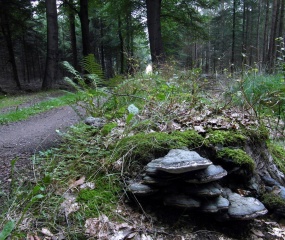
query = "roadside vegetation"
{"x": 146, "y": 115}
{"x": 17, "y": 108}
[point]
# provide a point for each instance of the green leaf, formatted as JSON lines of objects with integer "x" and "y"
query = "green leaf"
{"x": 129, "y": 118}
{"x": 8, "y": 228}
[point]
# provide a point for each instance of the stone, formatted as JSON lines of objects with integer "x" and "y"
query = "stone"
{"x": 204, "y": 190}
{"x": 245, "y": 208}
{"x": 180, "y": 161}
{"x": 215, "y": 205}
{"x": 181, "y": 200}
{"x": 140, "y": 189}
{"x": 95, "y": 122}
{"x": 210, "y": 174}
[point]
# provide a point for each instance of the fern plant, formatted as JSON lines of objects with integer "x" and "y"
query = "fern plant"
{"x": 89, "y": 85}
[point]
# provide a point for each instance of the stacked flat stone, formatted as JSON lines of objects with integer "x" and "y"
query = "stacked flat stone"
{"x": 184, "y": 179}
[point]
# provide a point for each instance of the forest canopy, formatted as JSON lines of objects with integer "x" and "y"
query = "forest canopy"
{"x": 215, "y": 36}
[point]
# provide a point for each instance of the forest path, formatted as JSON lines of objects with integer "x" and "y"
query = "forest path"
{"x": 20, "y": 140}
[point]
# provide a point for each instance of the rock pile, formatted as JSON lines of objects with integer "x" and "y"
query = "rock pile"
{"x": 184, "y": 179}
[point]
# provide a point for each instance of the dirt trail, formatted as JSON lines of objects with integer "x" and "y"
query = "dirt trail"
{"x": 22, "y": 139}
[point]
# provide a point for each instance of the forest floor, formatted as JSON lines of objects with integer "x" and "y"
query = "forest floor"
{"x": 20, "y": 141}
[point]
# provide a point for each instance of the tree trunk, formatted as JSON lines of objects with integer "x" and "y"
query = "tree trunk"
{"x": 233, "y": 37}
{"x": 273, "y": 34}
{"x": 84, "y": 21}
{"x": 71, "y": 18}
{"x": 52, "y": 45}
{"x": 153, "y": 8}
{"x": 8, "y": 37}
{"x": 265, "y": 34}
{"x": 281, "y": 21}
{"x": 122, "y": 56}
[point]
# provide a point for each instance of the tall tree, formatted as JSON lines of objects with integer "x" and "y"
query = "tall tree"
{"x": 233, "y": 36}
{"x": 52, "y": 45}
{"x": 84, "y": 20}
{"x": 153, "y": 8}
{"x": 8, "y": 10}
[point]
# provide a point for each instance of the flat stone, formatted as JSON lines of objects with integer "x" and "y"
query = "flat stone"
{"x": 181, "y": 200}
{"x": 210, "y": 174}
{"x": 95, "y": 122}
{"x": 180, "y": 161}
{"x": 140, "y": 189}
{"x": 212, "y": 189}
{"x": 215, "y": 205}
{"x": 245, "y": 208}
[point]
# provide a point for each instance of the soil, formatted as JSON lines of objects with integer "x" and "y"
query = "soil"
{"x": 21, "y": 140}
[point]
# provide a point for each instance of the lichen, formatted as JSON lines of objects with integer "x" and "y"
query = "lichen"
{"x": 278, "y": 154}
{"x": 272, "y": 201}
{"x": 238, "y": 156}
{"x": 225, "y": 138}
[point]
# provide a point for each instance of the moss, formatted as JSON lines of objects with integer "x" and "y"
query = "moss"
{"x": 257, "y": 134}
{"x": 225, "y": 138}
{"x": 142, "y": 146}
{"x": 101, "y": 199}
{"x": 108, "y": 128}
{"x": 278, "y": 154}
{"x": 238, "y": 156}
{"x": 272, "y": 201}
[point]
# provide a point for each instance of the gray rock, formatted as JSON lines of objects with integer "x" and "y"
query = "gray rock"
{"x": 269, "y": 181}
{"x": 140, "y": 189}
{"x": 95, "y": 122}
{"x": 205, "y": 190}
{"x": 214, "y": 205}
{"x": 210, "y": 174}
{"x": 245, "y": 208}
{"x": 180, "y": 161}
{"x": 181, "y": 200}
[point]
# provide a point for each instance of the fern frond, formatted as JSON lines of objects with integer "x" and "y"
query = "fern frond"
{"x": 90, "y": 65}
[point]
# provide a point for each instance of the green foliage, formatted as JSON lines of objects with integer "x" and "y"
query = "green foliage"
{"x": 265, "y": 94}
{"x": 108, "y": 128}
{"x": 91, "y": 94}
{"x": 238, "y": 156}
{"x": 7, "y": 229}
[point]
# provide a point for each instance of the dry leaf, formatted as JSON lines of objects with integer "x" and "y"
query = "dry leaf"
{"x": 87, "y": 185}
{"x": 77, "y": 183}
{"x": 199, "y": 129}
{"x": 47, "y": 232}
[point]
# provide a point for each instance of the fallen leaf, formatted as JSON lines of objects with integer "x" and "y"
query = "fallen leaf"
{"x": 199, "y": 129}
{"x": 87, "y": 185}
{"x": 77, "y": 183}
{"x": 47, "y": 232}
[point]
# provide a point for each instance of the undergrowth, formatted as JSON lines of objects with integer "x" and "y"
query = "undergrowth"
{"x": 146, "y": 116}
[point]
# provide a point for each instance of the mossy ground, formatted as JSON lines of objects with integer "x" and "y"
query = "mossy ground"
{"x": 238, "y": 156}
{"x": 225, "y": 138}
{"x": 273, "y": 201}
